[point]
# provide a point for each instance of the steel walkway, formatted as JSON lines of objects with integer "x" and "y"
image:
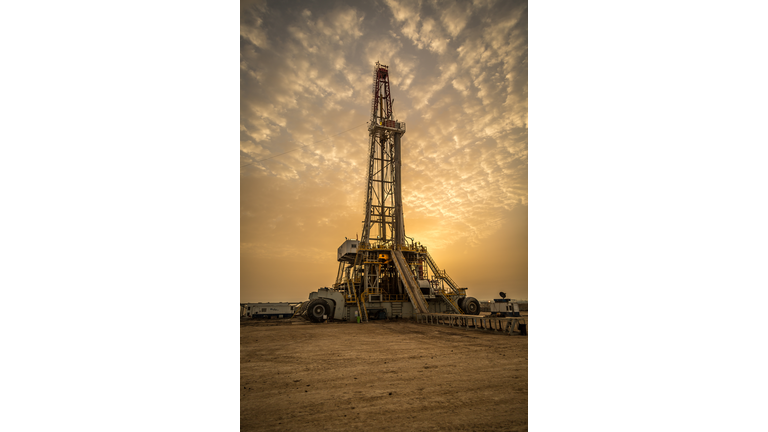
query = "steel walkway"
{"x": 503, "y": 325}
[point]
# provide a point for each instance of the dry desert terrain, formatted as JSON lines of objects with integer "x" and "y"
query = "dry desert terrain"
{"x": 380, "y": 376}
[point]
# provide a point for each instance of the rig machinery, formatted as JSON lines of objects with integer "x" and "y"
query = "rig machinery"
{"x": 386, "y": 274}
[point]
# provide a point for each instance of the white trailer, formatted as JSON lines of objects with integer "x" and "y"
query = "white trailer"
{"x": 267, "y": 310}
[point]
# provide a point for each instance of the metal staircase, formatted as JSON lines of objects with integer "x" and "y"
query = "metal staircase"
{"x": 409, "y": 280}
{"x": 299, "y": 310}
{"x": 440, "y": 274}
{"x": 397, "y": 309}
{"x": 450, "y": 301}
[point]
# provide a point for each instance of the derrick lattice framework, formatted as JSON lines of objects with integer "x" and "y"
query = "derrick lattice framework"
{"x": 383, "y": 225}
{"x": 385, "y": 268}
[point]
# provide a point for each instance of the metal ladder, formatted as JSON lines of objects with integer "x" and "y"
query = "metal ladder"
{"x": 360, "y": 299}
{"x": 373, "y": 91}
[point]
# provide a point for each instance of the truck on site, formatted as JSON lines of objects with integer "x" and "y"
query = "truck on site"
{"x": 504, "y": 307}
{"x": 385, "y": 273}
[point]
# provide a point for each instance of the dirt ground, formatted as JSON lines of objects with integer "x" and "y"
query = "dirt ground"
{"x": 380, "y": 376}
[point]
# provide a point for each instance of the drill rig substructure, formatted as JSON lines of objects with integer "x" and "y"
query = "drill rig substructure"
{"x": 386, "y": 273}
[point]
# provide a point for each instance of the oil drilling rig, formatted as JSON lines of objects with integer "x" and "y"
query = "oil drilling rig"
{"x": 386, "y": 273}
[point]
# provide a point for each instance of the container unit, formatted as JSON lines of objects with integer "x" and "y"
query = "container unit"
{"x": 267, "y": 310}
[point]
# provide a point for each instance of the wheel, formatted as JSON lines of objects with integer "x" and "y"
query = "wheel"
{"x": 471, "y": 306}
{"x": 460, "y": 303}
{"x": 316, "y": 309}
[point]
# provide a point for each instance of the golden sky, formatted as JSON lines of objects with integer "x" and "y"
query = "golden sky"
{"x": 459, "y": 79}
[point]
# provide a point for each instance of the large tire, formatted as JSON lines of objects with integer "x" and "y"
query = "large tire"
{"x": 471, "y": 306}
{"x": 316, "y": 309}
{"x": 460, "y": 303}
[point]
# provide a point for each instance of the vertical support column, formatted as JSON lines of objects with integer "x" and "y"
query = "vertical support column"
{"x": 382, "y": 188}
{"x": 399, "y": 225}
{"x": 369, "y": 193}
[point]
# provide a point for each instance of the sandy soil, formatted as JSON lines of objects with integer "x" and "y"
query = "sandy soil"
{"x": 380, "y": 376}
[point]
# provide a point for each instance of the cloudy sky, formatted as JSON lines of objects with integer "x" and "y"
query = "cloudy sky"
{"x": 459, "y": 79}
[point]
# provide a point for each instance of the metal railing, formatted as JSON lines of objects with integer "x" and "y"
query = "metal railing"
{"x": 503, "y": 325}
{"x": 414, "y": 292}
{"x": 441, "y": 274}
{"x": 449, "y": 300}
